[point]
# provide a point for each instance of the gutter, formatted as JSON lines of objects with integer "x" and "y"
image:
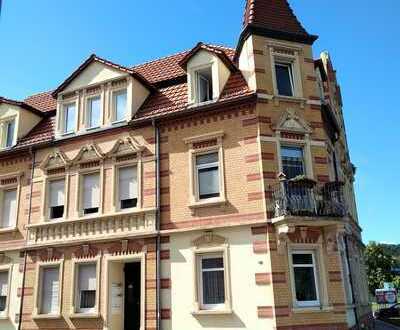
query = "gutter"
{"x": 21, "y": 306}
{"x": 158, "y": 220}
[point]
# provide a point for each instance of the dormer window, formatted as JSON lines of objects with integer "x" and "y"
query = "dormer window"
{"x": 120, "y": 105}
{"x": 69, "y": 118}
{"x": 9, "y": 132}
{"x": 93, "y": 113}
{"x": 204, "y": 86}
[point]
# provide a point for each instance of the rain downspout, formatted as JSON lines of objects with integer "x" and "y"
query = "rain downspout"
{"x": 21, "y": 305}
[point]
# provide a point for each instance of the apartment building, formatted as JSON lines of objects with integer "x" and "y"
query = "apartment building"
{"x": 209, "y": 189}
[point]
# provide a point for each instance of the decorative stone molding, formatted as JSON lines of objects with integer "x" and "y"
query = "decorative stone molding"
{"x": 85, "y": 251}
{"x": 88, "y": 153}
{"x": 305, "y": 235}
{"x": 50, "y": 254}
{"x": 126, "y": 247}
{"x": 209, "y": 239}
{"x": 54, "y": 160}
{"x": 125, "y": 147}
{"x": 291, "y": 121}
{"x": 282, "y": 237}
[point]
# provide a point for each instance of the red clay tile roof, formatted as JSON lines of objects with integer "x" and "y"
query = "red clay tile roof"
{"x": 42, "y": 132}
{"x": 168, "y": 68}
{"x": 163, "y": 101}
{"x": 275, "y": 18}
{"x": 174, "y": 98}
{"x": 42, "y": 101}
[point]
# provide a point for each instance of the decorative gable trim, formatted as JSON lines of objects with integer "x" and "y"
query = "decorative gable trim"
{"x": 209, "y": 239}
{"x": 88, "y": 153}
{"x": 55, "y": 160}
{"x": 125, "y": 147}
{"x": 290, "y": 121}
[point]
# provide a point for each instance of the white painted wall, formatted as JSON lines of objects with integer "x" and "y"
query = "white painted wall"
{"x": 245, "y": 294}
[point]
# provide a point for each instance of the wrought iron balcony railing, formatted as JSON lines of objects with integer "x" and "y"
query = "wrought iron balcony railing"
{"x": 305, "y": 198}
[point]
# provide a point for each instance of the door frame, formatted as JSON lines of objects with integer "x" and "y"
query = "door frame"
{"x": 125, "y": 258}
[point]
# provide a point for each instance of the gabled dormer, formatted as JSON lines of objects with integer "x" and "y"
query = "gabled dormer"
{"x": 98, "y": 95}
{"x": 208, "y": 69}
{"x": 16, "y": 120}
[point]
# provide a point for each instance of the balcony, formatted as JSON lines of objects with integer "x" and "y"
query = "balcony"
{"x": 303, "y": 198}
{"x": 99, "y": 228}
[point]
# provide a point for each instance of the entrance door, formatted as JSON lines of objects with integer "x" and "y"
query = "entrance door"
{"x": 132, "y": 296}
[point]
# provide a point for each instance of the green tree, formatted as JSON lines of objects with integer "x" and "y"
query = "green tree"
{"x": 396, "y": 282}
{"x": 379, "y": 265}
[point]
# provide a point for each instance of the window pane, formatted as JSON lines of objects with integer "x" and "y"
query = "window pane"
{"x": 10, "y": 133}
{"x": 209, "y": 182}
{"x": 213, "y": 287}
{"x": 292, "y": 161}
{"x": 87, "y": 285}
{"x": 120, "y": 105}
{"x": 209, "y": 263}
{"x": 70, "y": 117}
{"x": 9, "y": 208}
{"x": 50, "y": 290}
{"x": 284, "y": 79}
{"x": 128, "y": 182}
{"x": 3, "y": 290}
{"x": 91, "y": 191}
{"x": 204, "y": 85}
{"x": 56, "y": 192}
{"x": 305, "y": 284}
{"x": 302, "y": 259}
{"x": 207, "y": 159}
{"x": 94, "y": 108}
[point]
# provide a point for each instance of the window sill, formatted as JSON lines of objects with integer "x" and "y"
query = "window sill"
{"x": 314, "y": 309}
{"x": 46, "y": 316}
{"x": 199, "y": 104}
{"x": 8, "y": 230}
{"x": 94, "y": 315}
{"x": 119, "y": 122}
{"x": 290, "y": 98}
{"x": 208, "y": 203}
{"x": 212, "y": 312}
{"x": 4, "y": 317}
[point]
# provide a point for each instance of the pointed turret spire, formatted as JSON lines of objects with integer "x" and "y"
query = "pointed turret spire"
{"x": 274, "y": 19}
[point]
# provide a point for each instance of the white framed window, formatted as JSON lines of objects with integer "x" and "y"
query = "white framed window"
{"x": 86, "y": 287}
{"x": 9, "y": 208}
{"x": 93, "y": 112}
{"x": 56, "y": 196}
{"x": 211, "y": 284}
{"x": 127, "y": 187}
{"x": 9, "y": 133}
{"x": 69, "y": 118}
{"x": 120, "y": 106}
{"x": 4, "y": 291}
{"x": 305, "y": 284}
{"x": 292, "y": 161}
{"x": 50, "y": 290}
{"x": 203, "y": 85}
{"x": 90, "y": 193}
{"x": 284, "y": 78}
{"x": 207, "y": 175}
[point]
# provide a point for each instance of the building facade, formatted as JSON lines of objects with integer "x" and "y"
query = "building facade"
{"x": 211, "y": 189}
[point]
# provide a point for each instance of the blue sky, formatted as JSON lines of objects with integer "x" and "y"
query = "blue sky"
{"x": 41, "y": 42}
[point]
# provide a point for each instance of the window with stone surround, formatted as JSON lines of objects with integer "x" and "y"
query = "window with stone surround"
{"x": 206, "y": 169}
{"x": 4, "y": 291}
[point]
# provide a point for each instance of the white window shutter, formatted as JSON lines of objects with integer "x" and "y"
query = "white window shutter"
{"x": 50, "y": 290}
{"x": 56, "y": 193}
{"x": 87, "y": 277}
{"x": 9, "y": 208}
{"x": 128, "y": 183}
{"x": 4, "y": 284}
{"x": 91, "y": 191}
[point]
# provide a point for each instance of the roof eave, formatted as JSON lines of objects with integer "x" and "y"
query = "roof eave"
{"x": 250, "y": 29}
